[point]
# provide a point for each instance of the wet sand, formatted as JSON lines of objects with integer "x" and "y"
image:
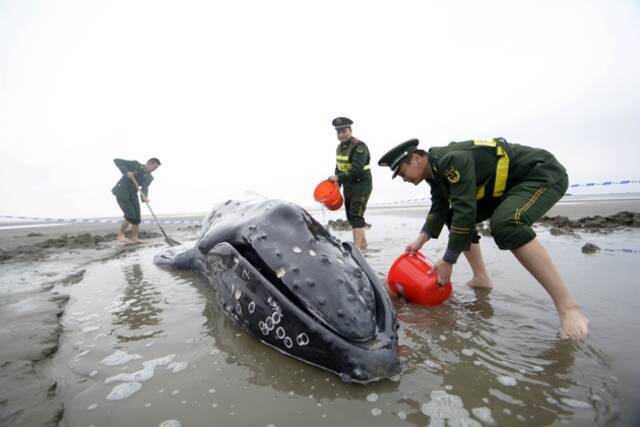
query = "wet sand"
{"x": 37, "y": 267}
{"x": 101, "y": 336}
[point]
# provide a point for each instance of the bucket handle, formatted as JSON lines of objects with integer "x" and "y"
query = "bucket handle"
{"x": 421, "y": 255}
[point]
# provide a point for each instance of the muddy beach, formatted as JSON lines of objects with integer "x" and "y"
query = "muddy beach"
{"x": 100, "y": 336}
{"x": 38, "y": 265}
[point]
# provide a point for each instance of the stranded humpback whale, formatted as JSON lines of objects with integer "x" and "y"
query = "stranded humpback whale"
{"x": 281, "y": 276}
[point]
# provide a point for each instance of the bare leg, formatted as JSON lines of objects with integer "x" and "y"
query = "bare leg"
{"x": 480, "y": 277}
{"x": 533, "y": 256}
{"x": 135, "y": 233}
{"x": 123, "y": 229}
{"x": 359, "y": 238}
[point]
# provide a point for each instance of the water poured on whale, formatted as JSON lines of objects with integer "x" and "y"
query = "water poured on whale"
{"x": 282, "y": 277}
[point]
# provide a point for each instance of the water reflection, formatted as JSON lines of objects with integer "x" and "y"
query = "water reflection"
{"x": 507, "y": 367}
{"x": 270, "y": 368}
{"x": 140, "y": 305}
{"x": 484, "y": 352}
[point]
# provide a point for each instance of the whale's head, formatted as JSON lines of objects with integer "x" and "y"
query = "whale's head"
{"x": 283, "y": 277}
{"x": 298, "y": 256}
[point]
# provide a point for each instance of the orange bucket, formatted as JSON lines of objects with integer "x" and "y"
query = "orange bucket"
{"x": 328, "y": 193}
{"x": 409, "y": 276}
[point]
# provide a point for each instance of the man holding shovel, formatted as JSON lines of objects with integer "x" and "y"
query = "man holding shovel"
{"x": 126, "y": 192}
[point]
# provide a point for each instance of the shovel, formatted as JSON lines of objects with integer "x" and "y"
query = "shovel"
{"x": 167, "y": 239}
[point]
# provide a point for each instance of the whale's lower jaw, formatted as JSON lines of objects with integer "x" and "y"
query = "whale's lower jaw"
{"x": 273, "y": 315}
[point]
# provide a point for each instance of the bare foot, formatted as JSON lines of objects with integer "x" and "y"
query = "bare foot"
{"x": 137, "y": 241}
{"x": 122, "y": 238}
{"x": 480, "y": 282}
{"x": 573, "y": 324}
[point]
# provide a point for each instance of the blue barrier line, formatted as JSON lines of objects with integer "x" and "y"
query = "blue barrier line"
{"x": 396, "y": 202}
{"x": 626, "y": 251}
{"x": 93, "y": 220}
{"x": 606, "y": 183}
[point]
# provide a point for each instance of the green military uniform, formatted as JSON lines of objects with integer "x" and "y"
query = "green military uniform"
{"x": 354, "y": 174}
{"x": 125, "y": 190}
{"x": 512, "y": 185}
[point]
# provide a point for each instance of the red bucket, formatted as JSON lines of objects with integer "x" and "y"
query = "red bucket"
{"x": 328, "y": 193}
{"x": 409, "y": 276}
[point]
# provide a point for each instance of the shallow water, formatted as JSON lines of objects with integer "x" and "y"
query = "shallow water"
{"x": 142, "y": 345}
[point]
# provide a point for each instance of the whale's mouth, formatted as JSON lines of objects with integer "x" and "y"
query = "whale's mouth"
{"x": 322, "y": 315}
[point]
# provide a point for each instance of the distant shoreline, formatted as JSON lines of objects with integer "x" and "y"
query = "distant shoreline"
{"x": 571, "y": 205}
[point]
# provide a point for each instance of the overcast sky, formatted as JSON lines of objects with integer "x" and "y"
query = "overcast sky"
{"x": 239, "y": 95}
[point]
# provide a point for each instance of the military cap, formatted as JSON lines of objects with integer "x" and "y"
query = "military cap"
{"x": 341, "y": 122}
{"x": 394, "y": 157}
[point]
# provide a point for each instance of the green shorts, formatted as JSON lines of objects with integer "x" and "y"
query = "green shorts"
{"x": 511, "y": 217}
{"x": 130, "y": 207}
{"x": 356, "y": 204}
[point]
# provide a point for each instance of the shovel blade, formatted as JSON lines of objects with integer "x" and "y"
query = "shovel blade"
{"x": 172, "y": 242}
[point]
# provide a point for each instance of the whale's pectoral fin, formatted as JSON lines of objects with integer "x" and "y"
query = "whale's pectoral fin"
{"x": 180, "y": 258}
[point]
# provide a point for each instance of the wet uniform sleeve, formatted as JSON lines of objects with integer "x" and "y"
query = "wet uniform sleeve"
{"x": 459, "y": 170}
{"x": 359, "y": 157}
{"x": 126, "y": 165}
{"x": 437, "y": 215}
{"x": 144, "y": 189}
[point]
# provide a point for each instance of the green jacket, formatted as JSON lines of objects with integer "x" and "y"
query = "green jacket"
{"x": 125, "y": 186}
{"x": 469, "y": 171}
{"x": 352, "y": 165}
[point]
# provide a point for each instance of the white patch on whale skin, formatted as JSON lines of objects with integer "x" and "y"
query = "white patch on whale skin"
{"x": 276, "y": 317}
{"x": 312, "y": 252}
{"x": 296, "y": 250}
{"x": 302, "y": 339}
{"x": 281, "y": 272}
{"x": 263, "y": 328}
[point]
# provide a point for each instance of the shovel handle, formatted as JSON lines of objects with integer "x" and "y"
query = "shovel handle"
{"x": 166, "y": 237}
{"x": 137, "y": 185}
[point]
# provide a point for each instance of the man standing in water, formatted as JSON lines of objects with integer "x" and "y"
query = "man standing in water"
{"x": 354, "y": 174}
{"x": 510, "y": 184}
{"x": 126, "y": 192}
